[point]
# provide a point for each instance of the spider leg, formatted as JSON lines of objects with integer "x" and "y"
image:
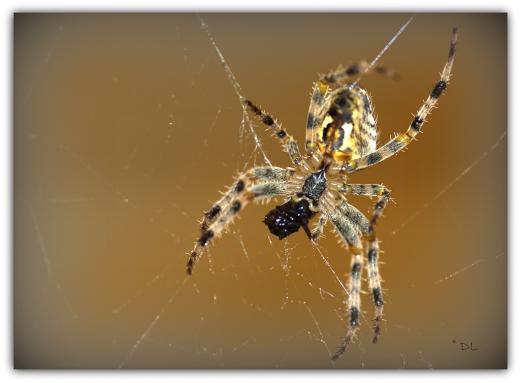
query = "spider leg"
{"x": 255, "y": 184}
{"x": 342, "y": 75}
{"x": 317, "y": 111}
{"x": 351, "y": 239}
{"x": 402, "y": 140}
{"x": 369, "y": 190}
{"x": 374, "y": 278}
{"x": 317, "y": 232}
{"x": 257, "y": 174}
{"x": 288, "y": 142}
{"x": 353, "y": 214}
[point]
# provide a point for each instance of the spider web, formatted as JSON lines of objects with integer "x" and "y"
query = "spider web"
{"x": 253, "y": 301}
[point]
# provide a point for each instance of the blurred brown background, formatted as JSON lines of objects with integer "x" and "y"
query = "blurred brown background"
{"x": 126, "y": 128}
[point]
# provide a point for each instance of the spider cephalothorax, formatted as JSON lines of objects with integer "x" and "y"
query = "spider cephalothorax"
{"x": 340, "y": 139}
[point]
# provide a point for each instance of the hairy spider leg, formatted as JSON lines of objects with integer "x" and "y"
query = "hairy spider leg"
{"x": 399, "y": 142}
{"x": 317, "y": 231}
{"x": 374, "y": 278}
{"x": 256, "y": 174}
{"x": 356, "y": 217}
{"x": 288, "y": 142}
{"x": 255, "y": 184}
{"x": 352, "y": 241}
{"x": 342, "y": 75}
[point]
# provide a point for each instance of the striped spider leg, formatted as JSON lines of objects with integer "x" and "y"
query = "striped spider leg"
{"x": 256, "y": 184}
{"x": 288, "y": 142}
{"x": 399, "y": 142}
{"x": 374, "y": 278}
{"x": 349, "y": 224}
{"x": 342, "y": 75}
{"x": 260, "y": 183}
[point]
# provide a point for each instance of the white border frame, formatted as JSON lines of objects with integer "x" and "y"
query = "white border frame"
{"x": 8, "y": 7}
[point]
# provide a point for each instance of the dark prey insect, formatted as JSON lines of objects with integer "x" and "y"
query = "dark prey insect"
{"x": 340, "y": 139}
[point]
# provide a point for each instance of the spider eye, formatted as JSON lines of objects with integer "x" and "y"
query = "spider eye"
{"x": 286, "y": 219}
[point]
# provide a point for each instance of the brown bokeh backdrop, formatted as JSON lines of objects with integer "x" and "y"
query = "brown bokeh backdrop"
{"x": 125, "y": 129}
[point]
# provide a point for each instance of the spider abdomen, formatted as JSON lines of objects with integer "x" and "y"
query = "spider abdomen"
{"x": 348, "y": 129}
{"x": 286, "y": 219}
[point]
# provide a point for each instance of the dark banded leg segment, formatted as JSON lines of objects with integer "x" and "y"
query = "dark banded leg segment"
{"x": 374, "y": 278}
{"x": 354, "y": 300}
{"x": 288, "y": 142}
{"x": 402, "y": 140}
{"x": 343, "y": 75}
{"x": 369, "y": 190}
{"x": 351, "y": 239}
{"x": 317, "y": 111}
{"x": 257, "y": 174}
{"x": 256, "y": 183}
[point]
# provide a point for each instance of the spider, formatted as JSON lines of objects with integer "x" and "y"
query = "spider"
{"x": 340, "y": 139}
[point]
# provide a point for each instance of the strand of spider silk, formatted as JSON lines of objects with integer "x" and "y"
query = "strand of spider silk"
{"x": 152, "y": 324}
{"x": 450, "y": 184}
{"x": 380, "y": 54}
{"x": 236, "y": 88}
